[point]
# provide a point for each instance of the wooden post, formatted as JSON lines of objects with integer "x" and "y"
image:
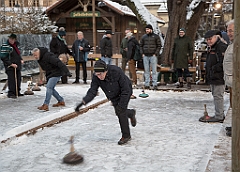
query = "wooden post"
{"x": 236, "y": 91}
{"x": 94, "y": 27}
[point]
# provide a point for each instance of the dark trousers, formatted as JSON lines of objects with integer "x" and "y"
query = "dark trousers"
{"x": 12, "y": 83}
{"x": 183, "y": 73}
{"x": 123, "y": 121}
{"x": 84, "y": 66}
{"x": 64, "y": 79}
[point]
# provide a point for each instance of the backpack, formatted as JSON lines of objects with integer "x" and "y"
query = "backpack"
{"x": 137, "y": 55}
{"x": 5, "y": 50}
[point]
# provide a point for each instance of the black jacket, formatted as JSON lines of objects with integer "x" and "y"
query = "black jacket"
{"x": 132, "y": 42}
{"x": 116, "y": 86}
{"x": 106, "y": 47}
{"x": 80, "y": 56}
{"x": 53, "y": 66}
{"x": 58, "y": 46}
{"x": 150, "y": 44}
{"x": 13, "y": 58}
{"x": 214, "y": 63}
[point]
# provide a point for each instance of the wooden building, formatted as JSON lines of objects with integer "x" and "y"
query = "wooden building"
{"x": 77, "y": 15}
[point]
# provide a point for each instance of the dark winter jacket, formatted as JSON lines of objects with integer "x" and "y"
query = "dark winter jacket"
{"x": 214, "y": 63}
{"x": 80, "y": 56}
{"x": 13, "y": 58}
{"x": 132, "y": 42}
{"x": 50, "y": 63}
{"x": 150, "y": 44}
{"x": 182, "y": 52}
{"x": 116, "y": 86}
{"x": 58, "y": 46}
{"x": 123, "y": 47}
{"x": 106, "y": 47}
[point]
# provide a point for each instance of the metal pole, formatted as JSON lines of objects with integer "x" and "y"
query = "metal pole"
{"x": 236, "y": 91}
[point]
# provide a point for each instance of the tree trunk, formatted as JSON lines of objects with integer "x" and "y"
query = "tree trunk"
{"x": 177, "y": 20}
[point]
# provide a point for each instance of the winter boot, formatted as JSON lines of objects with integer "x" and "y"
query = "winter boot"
{"x": 180, "y": 80}
{"x": 188, "y": 82}
{"x": 59, "y": 104}
{"x": 43, "y": 107}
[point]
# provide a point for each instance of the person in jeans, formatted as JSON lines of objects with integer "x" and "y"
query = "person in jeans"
{"x": 150, "y": 46}
{"x": 118, "y": 89}
{"x": 80, "y": 50}
{"x": 214, "y": 74}
{"x": 54, "y": 68}
{"x": 106, "y": 47}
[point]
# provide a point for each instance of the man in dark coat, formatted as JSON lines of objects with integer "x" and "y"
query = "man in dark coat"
{"x": 58, "y": 46}
{"x": 117, "y": 88}
{"x": 150, "y": 46}
{"x": 106, "y": 47}
{"x": 80, "y": 50}
{"x": 214, "y": 74}
{"x": 13, "y": 65}
{"x": 54, "y": 68}
{"x": 182, "y": 55}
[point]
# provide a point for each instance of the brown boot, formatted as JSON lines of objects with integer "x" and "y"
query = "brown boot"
{"x": 59, "y": 104}
{"x": 43, "y": 107}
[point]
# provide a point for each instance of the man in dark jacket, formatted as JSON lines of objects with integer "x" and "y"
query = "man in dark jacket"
{"x": 182, "y": 55}
{"x": 123, "y": 51}
{"x": 150, "y": 46}
{"x": 117, "y": 88}
{"x": 214, "y": 74}
{"x": 106, "y": 47}
{"x": 80, "y": 50}
{"x": 13, "y": 65}
{"x": 54, "y": 68}
{"x": 58, "y": 46}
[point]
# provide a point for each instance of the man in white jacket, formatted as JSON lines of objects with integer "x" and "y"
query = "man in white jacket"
{"x": 228, "y": 59}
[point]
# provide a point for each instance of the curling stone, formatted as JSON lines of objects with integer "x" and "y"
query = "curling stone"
{"x": 143, "y": 94}
{"x": 205, "y": 115}
{"x": 36, "y": 87}
{"x": 72, "y": 157}
{"x": 29, "y": 91}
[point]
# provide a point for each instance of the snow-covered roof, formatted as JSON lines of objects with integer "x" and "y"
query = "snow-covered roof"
{"x": 152, "y": 2}
{"x": 122, "y": 9}
{"x": 162, "y": 8}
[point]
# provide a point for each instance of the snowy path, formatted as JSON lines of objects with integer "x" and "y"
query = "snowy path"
{"x": 167, "y": 138}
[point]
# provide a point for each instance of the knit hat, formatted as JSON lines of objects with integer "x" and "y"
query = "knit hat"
{"x": 129, "y": 34}
{"x": 13, "y": 36}
{"x": 100, "y": 66}
{"x": 182, "y": 29}
{"x": 62, "y": 33}
{"x": 211, "y": 33}
{"x": 149, "y": 27}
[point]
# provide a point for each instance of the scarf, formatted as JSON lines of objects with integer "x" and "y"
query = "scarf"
{"x": 15, "y": 48}
{"x": 62, "y": 39}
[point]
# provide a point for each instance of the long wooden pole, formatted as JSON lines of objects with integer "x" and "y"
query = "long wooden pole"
{"x": 94, "y": 27}
{"x": 236, "y": 91}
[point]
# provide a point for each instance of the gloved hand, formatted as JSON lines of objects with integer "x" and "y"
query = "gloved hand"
{"x": 69, "y": 74}
{"x": 119, "y": 110}
{"x": 78, "y": 106}
{"x": 190, "y": 61}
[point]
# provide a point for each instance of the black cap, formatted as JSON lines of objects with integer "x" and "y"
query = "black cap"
{"x": 182, "y": 29}
{"x": 13, "y": 36}
{"x": 100, "y": 66}
{"x": 62, "y": 33}
{"x": 149, "y": 26}
{"x": 211, "y": 33}
{"x": 109, "y": 32}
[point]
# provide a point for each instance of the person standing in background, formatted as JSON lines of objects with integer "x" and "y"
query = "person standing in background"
{"x": 106, "y": 47}
{"x": 123, "y": 50}
{"x": 58, "y": 46}
{"x": 13, "y": 65}
{"x": 80, "y": 50}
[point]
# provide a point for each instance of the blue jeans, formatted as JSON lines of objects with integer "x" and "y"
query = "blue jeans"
{"x": 218, "y": 93}
{"x": 150, "y": 61}
{"x": 107, "y": 60}
{"x": 51, "y": 90}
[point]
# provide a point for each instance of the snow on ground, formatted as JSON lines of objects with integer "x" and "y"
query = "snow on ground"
{"x": 167, "y": 138}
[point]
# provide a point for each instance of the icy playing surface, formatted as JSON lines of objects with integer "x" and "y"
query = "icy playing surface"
{"x": 168, "y": 136}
